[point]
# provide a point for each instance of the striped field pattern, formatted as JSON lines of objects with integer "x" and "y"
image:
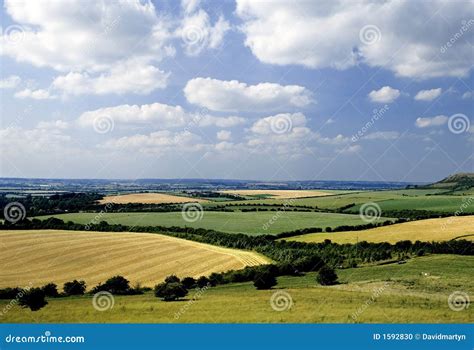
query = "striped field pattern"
{"x": 38, "y": 257}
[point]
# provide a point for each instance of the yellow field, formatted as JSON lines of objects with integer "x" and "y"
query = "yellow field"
{"x": 43, "y": 256}
{"x": 148, "y": 198}
{"x": 442, "y": 229}
{"x": 280, "y": 194}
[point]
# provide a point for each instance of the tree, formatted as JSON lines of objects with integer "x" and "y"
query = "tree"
{"x": 33, "y": 298}
{"x": 74, "y": 288}
{"x": 172, "y": 279}
{"x": 264, "y": 280}
{"x": 203, "y": 281}
{"x": 326, "y": 276}
{"x": 50, "y": 290}
{"x": 169, "y": 291}
{"x": 188, "y": 282}
{"x": 118, "y": 285}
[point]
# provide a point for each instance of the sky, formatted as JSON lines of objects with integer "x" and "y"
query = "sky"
{"x": 241, "y": 89}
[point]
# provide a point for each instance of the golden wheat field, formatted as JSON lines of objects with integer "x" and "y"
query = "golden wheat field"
{"x": 442, "y": 229}
{"x": 42, "y": 256}
{"x": 280, "y": 194}
{"x": 148, "y": 198}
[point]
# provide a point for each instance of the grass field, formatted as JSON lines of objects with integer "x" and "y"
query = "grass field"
{"x": 280, "y": 194}
{"x": 414, "y": 292}
{"x": 442, "y": 229}
{"x": 148, "y": 198}
{"x": 40, "y": 257}
{"x": 251, "y": 223}
{"x": 388, "y": 200}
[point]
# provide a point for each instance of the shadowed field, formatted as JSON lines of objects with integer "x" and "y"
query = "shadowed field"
{"x": 46, "y": 256}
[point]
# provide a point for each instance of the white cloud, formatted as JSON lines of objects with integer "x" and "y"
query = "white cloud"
{"x": 126, "y": 77}
{"x": 351, "y": 149}
{"x": 328, "y": 34}
{"x": 159, "y": 142}
{"x": 158, "y": 114}
{"x": 428, "y": 95}
{"x": 39, "y": 94}
{"x": 233, "y": 95}
{"x": 429, "y": 122}
{"x": 279, "y": 124}
{"x": 386, "y": 94}
{"x": 336, "y": 140}
{"x": 10, "y": 82}
{"x": 224, "y": 135}
{"x": 467, "y": 95}
{"x": 221, "y": 122}
{"x": 197, "y": 33}
{"x": 21, "y": 141}
{"x": 190, "y": 6}
{"x": 55, "y": 125}
{"x": 76, "y": 35}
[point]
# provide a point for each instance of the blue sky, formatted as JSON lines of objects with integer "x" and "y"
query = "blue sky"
{"x": 311, "y": 90}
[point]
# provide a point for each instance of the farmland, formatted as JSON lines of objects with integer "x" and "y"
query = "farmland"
{"x": 40, "y": 257}
{"x": 148, "y": 198}
{"x": 442, "y": 229}
{"x": 280, "y": 194}
{"x": 252, "y": 223}
{"x": 414, "y": 292}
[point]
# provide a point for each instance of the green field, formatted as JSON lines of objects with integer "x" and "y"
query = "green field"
{"x": 251, "y": 223}
{"x": 413, "y": 292}
{"x": 388, "y": 200}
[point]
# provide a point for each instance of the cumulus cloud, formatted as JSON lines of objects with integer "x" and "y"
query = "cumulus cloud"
{"x": 467, "y": 95}
{"x": 386, "y": 94}
{"x": 125, "y": 77}
{"x": 10, "y": 82}
{"x": 224, "y": 135}
{"x": 38, "y": 94}
{"x": 158, "y": 114}
{"x": 20, "y": 141}
{"x": 342, "y": 33}
{"x": 221, "y": 95}
{"x": 55, "y": 125}
{"x": 428, "y": 95}
{"x": 429, "y": 122}
{"x": 198, "y": 33}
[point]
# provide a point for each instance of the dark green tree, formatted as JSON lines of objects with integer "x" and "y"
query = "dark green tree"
{"x": 33, "y": 298}
{"x": 50, "y": 290}
{"x": 74, "y": 288}
{"x": 264, "y": 280}
{"x": 170, "y": 291}
{"x": 326, "y": 276}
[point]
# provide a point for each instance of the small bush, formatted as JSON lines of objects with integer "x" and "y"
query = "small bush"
{"x": 33, "y": 299}
{"x": 50, "y": 290}
{"x": 188, "y": 282}
{"x": 264, "y": 280}
{"x": 74, "y": 288}
{"x": 170, "y": 291}
{"x": 326, "y": 276}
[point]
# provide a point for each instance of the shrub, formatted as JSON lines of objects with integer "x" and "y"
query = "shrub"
{"x": 33, "y": 298}
{"x": 9, "y": 293}
{"x": 118, "y": 285}
{"x": 202, "y": 281}
{"x": 74, "y": 288}
{"x": 264, "y": 280}
{"x": 170, "y": 291}
{"x": 50, "y": 290}
{"x": 188, "y": 282}
{"x": 172, "y": 279}
{"x": 326, "y": 276}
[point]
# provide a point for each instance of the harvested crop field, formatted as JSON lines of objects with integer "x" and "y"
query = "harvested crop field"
{"x": 280, "y": 194}
{"x": 41, "y": 256}
{"x": 442, "y": 229}
{"x": 148, "y": 198}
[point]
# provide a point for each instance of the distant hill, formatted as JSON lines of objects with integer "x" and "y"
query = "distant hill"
{"x": 455, "y": 182}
